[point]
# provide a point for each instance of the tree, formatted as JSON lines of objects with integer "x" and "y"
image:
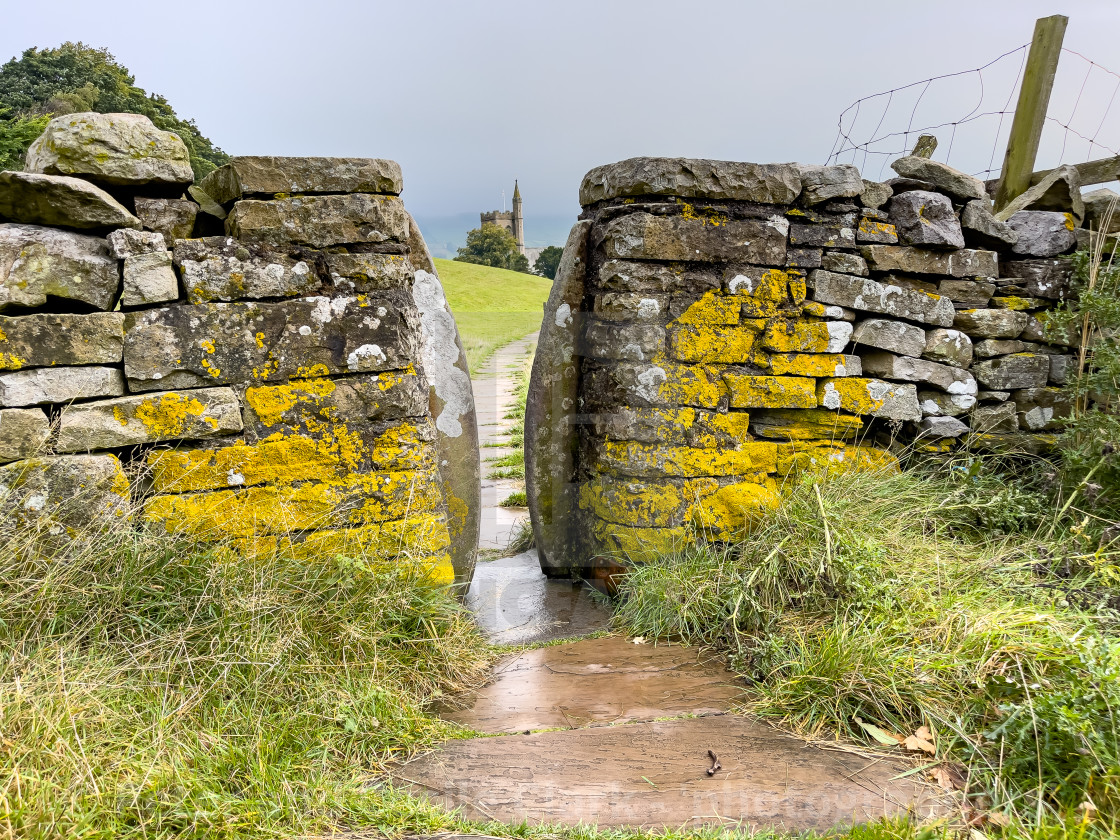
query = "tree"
{"x": 494, "y": 246}
{"x": 548, "y": 262}
{"x": 73, "y": 78}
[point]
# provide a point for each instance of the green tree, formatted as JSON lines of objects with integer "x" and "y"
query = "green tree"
{"x": 494, "y": 246}
{"x": 75, "y": 77}
{"x": 16, "y": 135}
{"x": 548, "y": 262}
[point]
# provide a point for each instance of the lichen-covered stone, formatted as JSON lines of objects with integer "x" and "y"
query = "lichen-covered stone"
{"x": 655, "y": 384}
{"x": 895, "y": 336}
{"x": 764, "y": 292}
{"x": 1009, "y": 373}
{"x": 786, "y": 336}
{"x": 941, "y": 427}
{"x": 354, "y": 500}
{"x": 938, "y": 403}
{"x": 858, "y": 395}
{"x": 630, "y": 276}
{"x": 334, "y": 452}
{"x": 706, "y": 344}
{"x": 1097, "y": 203}
{"x": 734, "y": 510}
{"x": 644, "y": 503}
{"x": 950, "y": 347}
{"x": 991, "y": 323}
{"x": 40, "y": 386}
{"x": 310, "y": 406}
{"x": 994, "y": 419}
{"x": 23, "y": 433}
{"x": 643, "y": 236}
{"x": 1042, "y": 233}
{"x": 1061, "y": 368}
{"x": 813, "y": 309}
{"x": 991, "y": 347}
{"x": 115, "y": 149}
{"x": 961, "y": 263}
{"x": 148, "y": 279}
{"x": 628, "y": 342}
{"x": 691, "y": 178}
{"x": 678, "y": 426}
{"x": 875, "y": 194}
{"x": 36, "y": 262}
{"x": 1042, "y": 408}
{"x": 247, "y": 343}
{"x": 832, "y": 459}
{"x": 868, "y": 295}
{"x": 822, "y": 236}
{"x": 128, "y": 242}
{"x": 809, "y": 424}
{"x": 266, "y": 176}
{"x": 552, "y": 400}
{"x": 221, "y": 268}
{"x": 150, "y": 418}
{"x": 748, "y": 391}
{"x": 60, "y": 201}
{"x": 173, "y": 218}
{"x": 844, "y": 263}
{"x": 630, "y": 306}
{"x": 949, "y": 379}
{"x": 942, "y": 176}
{"x": 803, "y": 258}
{"x": 635, "y": 544}
{"x": 876, "y": 231}
{"x": 320, "y": 221}
{"x": 927, "y": 219}
{"x": 982, "y": 228}
{"x": 658, "y": 460}
{"x": 973, "y": 294}
{"x": 815, "y": 364}
{"x": 1059, "y": 190}
{"x": 64, "y": 497}
{"x": 1039, "y": 278}
{"x": 44, "y": 340}
{"x": 820, "y": 183}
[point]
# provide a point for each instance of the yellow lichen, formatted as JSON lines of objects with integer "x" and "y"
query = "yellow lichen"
{"x": 810, "y": 364}
{"x": 832, "y": 459}
{"x": 652, "y": 460}
{"x": 726, "y": 345}
{"x": 735, "y": 509}
{"x": 771, "y": 391}
{"x": 272, "y": 402}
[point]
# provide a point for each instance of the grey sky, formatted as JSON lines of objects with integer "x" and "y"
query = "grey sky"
{"x": 468, "y": 96}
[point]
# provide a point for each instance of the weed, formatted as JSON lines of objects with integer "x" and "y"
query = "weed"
{"x": 515, "y": 499}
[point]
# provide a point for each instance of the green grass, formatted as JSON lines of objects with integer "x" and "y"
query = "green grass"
{"x": 151, "y": 688}
{"x": 492, "y": 306}
{"x": 515, "y": 499}
{"x": 892, "y": 599}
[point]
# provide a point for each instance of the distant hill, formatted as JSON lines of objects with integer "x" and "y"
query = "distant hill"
{"x": 445, "y": 235}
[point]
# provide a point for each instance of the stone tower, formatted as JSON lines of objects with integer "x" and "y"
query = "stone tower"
{"x": 513, "y": 222}
{"x": 518, "y": 219}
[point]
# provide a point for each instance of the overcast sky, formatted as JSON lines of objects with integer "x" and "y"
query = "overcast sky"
{"x": 468, "y": 96}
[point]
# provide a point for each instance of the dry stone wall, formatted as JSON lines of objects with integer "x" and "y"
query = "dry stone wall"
{"x": 270, "y": 362}
{"x": 716, "y": 328}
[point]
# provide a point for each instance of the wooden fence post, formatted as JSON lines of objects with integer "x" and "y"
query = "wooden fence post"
{"x": 1030, "y": 111}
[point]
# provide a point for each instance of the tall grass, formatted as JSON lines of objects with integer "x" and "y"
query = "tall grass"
{"x": 889, "y": 598}
{"x": 154, "y": 688}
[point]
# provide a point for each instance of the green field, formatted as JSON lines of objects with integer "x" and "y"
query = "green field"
{"x": 492, "y": 306}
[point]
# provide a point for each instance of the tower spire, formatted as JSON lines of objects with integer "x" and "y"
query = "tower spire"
{"x": 518, "y": 220}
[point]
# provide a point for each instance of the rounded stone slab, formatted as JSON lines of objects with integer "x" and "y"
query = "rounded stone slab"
{"x": 116, "y": 149}
{"x": 451, "y": 403}
{"x": 777, "y": 183}
{"x": 64, "y": 495}
{"x": 942, "y": 176}
{"x": 550, "y": 406}
{"x": 320, "y": 221}
{"x": 266, "y": 176}
{"x": 60, "y": 201}
{"x": 47, "y": 339}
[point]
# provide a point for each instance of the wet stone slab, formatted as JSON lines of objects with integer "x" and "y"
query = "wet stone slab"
{"x": 514, "y": 603}
{"x": 596, "y": 681}
{"x": 654, "y": 775}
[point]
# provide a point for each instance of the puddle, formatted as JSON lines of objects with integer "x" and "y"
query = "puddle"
{"x": 514, "y": 603}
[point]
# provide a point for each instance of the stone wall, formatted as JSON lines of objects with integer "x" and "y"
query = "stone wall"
{"x": 716, "y": 328}
{"x": 270, "y": 361}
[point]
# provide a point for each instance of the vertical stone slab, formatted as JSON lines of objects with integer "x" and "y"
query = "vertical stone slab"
{"x": 551, "y": 434}
{"x": 451, "y": 404}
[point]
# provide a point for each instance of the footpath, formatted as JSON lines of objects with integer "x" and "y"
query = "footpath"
{"x": 616, "y": 732}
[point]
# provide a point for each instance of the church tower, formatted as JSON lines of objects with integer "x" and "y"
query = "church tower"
{"x": 518, "y": 219}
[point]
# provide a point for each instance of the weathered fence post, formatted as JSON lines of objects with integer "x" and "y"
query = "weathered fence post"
{"x": 1030, "y": 111}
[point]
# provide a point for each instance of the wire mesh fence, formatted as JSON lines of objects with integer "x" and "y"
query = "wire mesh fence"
{"x": 971, "y": 111}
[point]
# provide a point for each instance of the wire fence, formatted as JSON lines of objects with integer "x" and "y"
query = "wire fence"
{"x": 1081, "y": 123}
